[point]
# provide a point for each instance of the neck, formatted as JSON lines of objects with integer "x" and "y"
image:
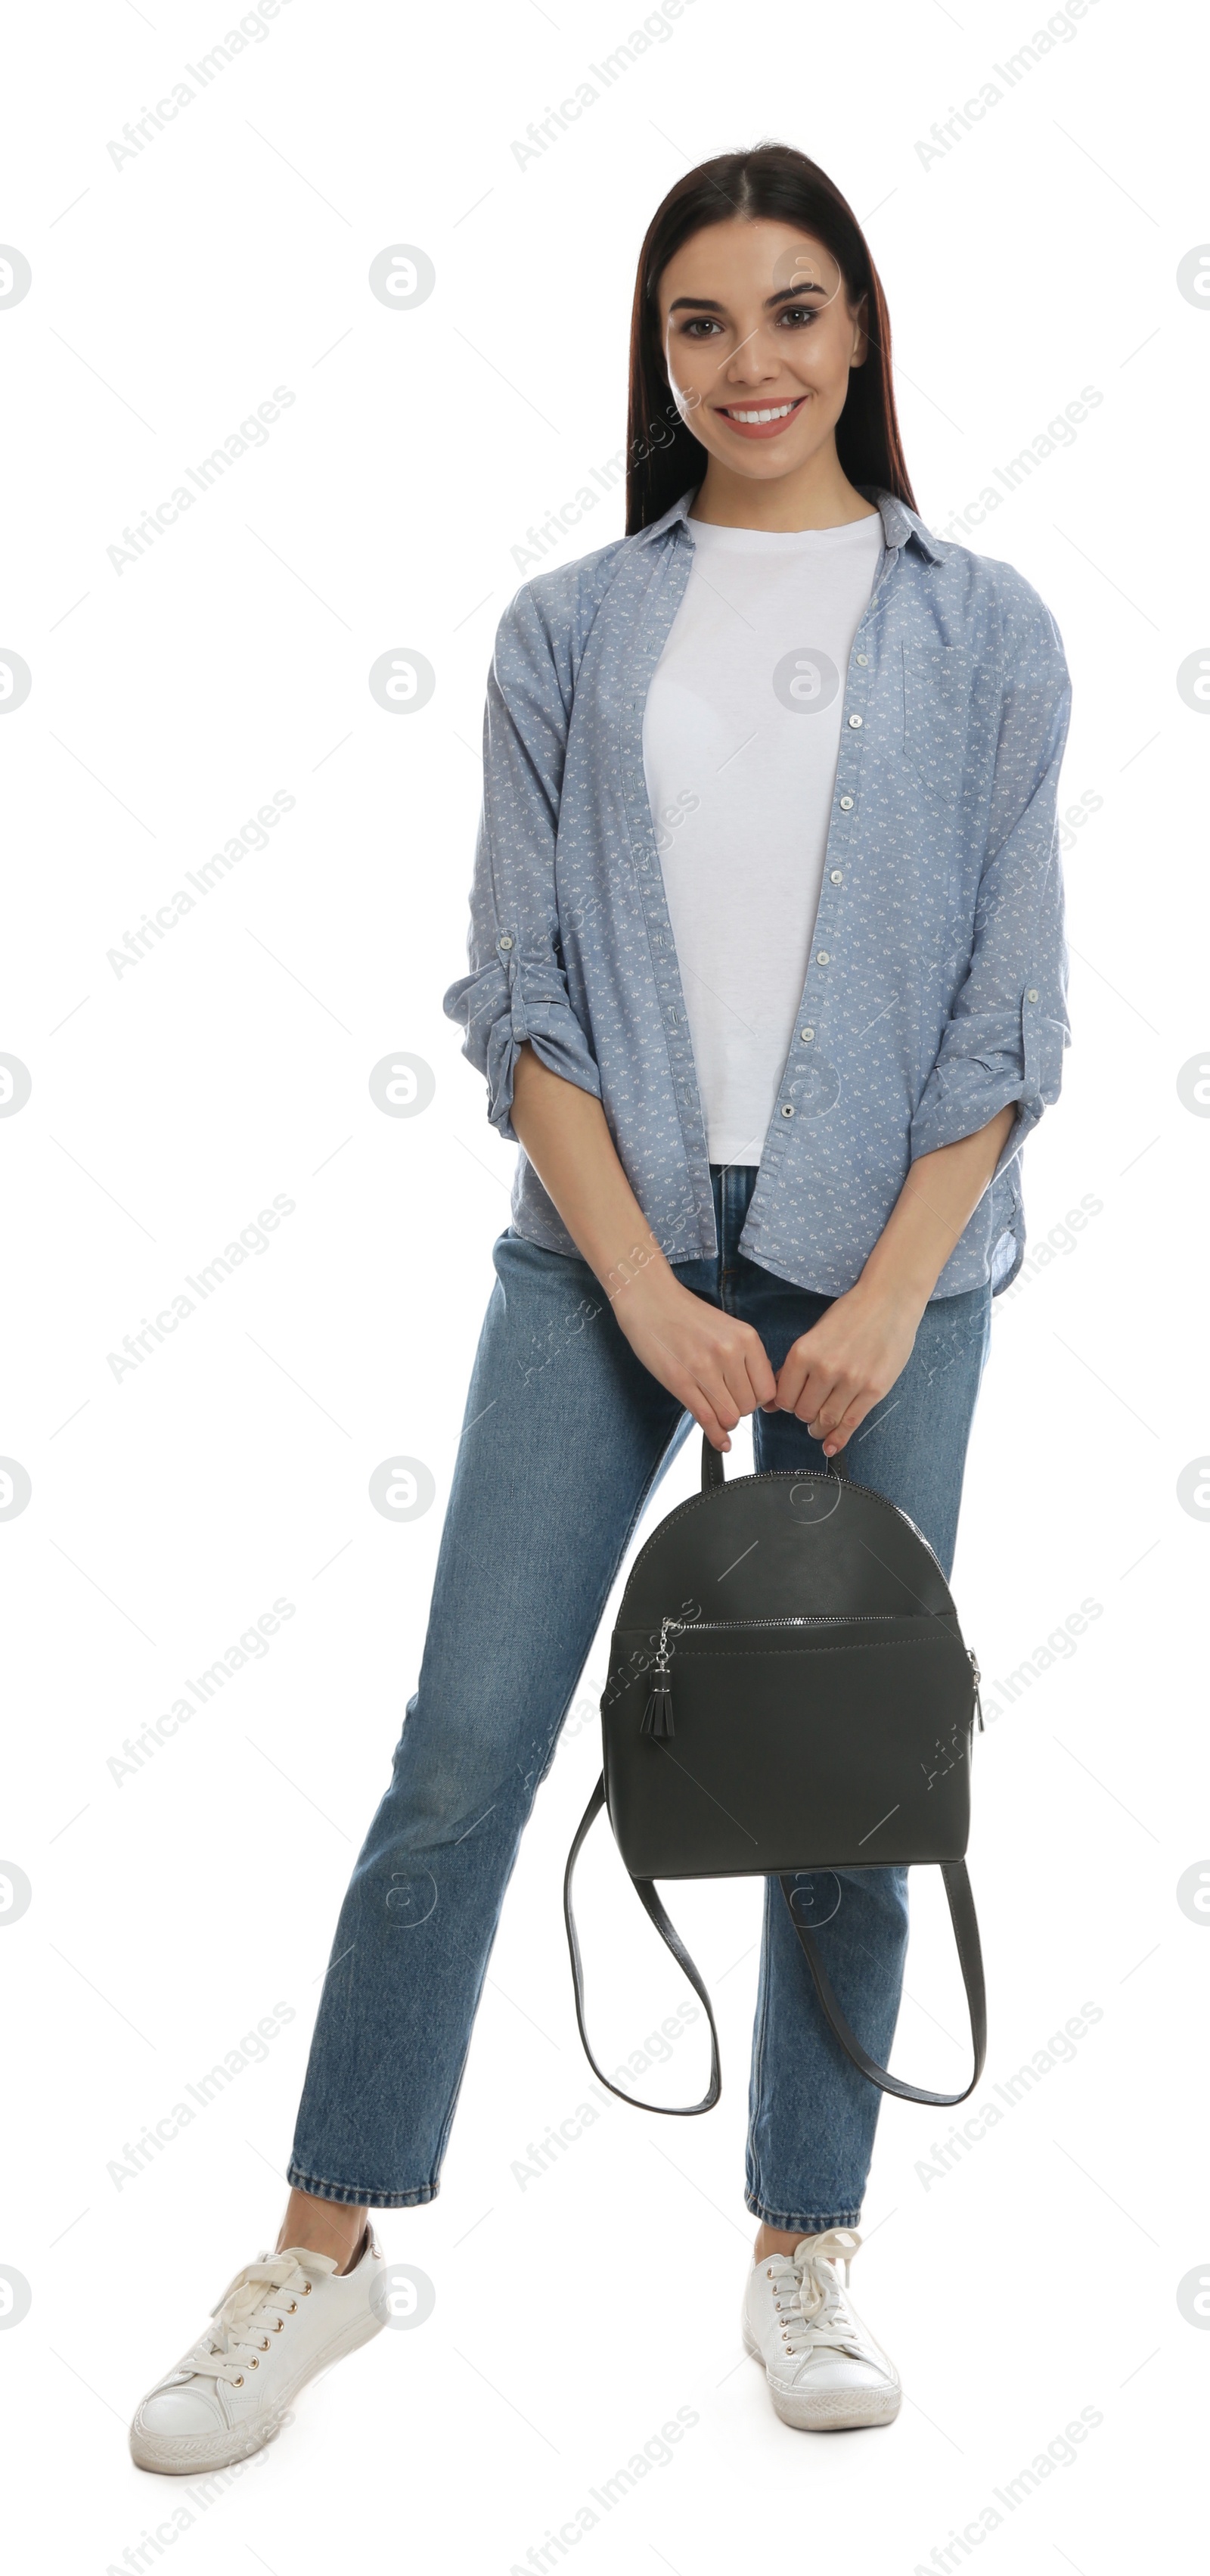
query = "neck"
{"x": 818, "y": 494}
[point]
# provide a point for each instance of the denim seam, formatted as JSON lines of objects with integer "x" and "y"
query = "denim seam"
{"x": 758, "y": 2053}
{"x": 645, "y": 1497}
{"x": 455, "y": 2095}
{"x": 812, "y": 2224}
{"x": 657, "y": 1466}
{"x": 359, "y": 2195}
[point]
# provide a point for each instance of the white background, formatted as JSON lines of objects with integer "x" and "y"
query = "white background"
{"x": 173, "y": 1907}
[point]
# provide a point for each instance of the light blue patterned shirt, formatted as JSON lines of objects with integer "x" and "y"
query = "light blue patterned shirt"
{"x": 935, "y": 989}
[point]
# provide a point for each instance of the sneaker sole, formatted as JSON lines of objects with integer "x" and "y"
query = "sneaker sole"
{"x": 181, "y": 2455}
{"x": 828, "y": 2410}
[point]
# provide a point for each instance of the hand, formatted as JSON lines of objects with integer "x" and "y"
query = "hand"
{"x": 834, "y": 1375}
{"x": 715, "y": 1366}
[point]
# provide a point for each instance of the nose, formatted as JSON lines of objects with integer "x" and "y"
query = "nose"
{"x": 754, "y": 362}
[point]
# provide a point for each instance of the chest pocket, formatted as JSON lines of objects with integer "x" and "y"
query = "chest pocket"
{"x": 936, "y": 705}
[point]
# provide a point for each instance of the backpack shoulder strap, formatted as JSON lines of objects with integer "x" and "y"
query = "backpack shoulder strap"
{"x": 970, "y": 1957}
{"x": 668, "y": 1933}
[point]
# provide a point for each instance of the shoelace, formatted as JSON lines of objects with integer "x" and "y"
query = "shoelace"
{"x": 810, "y": 2303}
{"x": 254, "y": 2306}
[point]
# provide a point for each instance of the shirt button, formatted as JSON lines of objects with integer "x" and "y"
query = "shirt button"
{"x": 806, "y": 1036}
{"x": 786, "y": 1110}
{"x": 855, "y": 722}
{"x": 822, "y": 957}
{"x": 1031, "y": 996}
{"x": 505, "y": 942}
{"x": 837, "y": 877}
{"x": 863, "y": 658}
{"x": 846, "y": 804}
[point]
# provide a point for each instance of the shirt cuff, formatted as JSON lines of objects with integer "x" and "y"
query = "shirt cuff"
{"x": 500, "y": 1009}
{"x": 987, "y": 1061}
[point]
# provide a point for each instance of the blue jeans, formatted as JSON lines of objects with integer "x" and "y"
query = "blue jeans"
{"x": 565, "y": 1438}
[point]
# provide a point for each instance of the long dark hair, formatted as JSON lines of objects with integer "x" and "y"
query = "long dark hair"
{"x": 663, "y": 458}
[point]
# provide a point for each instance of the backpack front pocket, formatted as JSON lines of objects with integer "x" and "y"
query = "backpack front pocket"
{"x": 727, "y": 1742}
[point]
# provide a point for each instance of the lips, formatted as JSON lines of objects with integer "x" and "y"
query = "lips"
{"x": 760, "y": 420}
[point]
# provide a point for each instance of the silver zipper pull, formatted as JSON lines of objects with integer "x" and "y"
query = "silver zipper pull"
{"x": 657, "y": 1716}
{"x": 978, "y": 1699}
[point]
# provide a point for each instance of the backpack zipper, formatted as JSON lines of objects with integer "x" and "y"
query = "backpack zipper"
{"x": 790, "y": 1619}
{"x": 657, "y": 1717}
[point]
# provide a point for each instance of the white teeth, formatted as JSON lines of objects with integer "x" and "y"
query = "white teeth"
{"x": 759, "y": 417}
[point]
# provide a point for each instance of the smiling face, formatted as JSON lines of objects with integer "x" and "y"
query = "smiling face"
{"x": 759, "y": 336}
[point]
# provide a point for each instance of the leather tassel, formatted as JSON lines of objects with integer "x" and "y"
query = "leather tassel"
{"x": 657, "y": 1716}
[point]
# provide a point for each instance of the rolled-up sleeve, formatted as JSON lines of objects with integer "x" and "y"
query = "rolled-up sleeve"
{"x": 517, "y": 985}
{"x": 1008, "y": 1027}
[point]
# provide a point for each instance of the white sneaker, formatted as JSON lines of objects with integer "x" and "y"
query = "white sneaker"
{"x": 826, "y": 2373}
{"x": 282, "y": 2319}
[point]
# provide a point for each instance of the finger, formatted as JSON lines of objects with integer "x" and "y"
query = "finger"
{"x": 720, "y": 1395}
{"x": 791, "y": 1378}
{"x": 707, "y": 1420}
{"x": 743, "y": 1367}
{"x": 826, "y": 1428}
{"x": 693, "y": 1392}
{"x": 761, "y": 1379}
{"x": 707, "y": 1400}
{"x": 745, "y": 1380}
{"x": 835, "y": 1430}
{"x": 723, "y": 1380}
{"x": 823, "y": 1399}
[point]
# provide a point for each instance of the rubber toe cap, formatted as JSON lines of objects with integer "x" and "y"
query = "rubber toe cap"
{"x": 183, "y": 2412}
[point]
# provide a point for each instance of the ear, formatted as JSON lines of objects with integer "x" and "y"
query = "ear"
{"x": 861, "y": 343}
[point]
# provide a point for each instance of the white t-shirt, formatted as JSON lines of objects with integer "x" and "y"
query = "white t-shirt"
{"x": 741, "y": 736}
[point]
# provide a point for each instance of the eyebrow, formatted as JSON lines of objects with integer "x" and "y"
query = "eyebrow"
{"x": 709, "y": 304}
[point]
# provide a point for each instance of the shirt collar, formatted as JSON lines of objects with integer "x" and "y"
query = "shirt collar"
{"x": 899, "y": 524}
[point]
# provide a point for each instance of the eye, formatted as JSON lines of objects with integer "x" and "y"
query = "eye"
{"x": 798, "y": 314}
{"x": 698, "y": 323}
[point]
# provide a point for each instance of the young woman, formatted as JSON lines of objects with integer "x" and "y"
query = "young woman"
{"x": 767, "y": 981}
